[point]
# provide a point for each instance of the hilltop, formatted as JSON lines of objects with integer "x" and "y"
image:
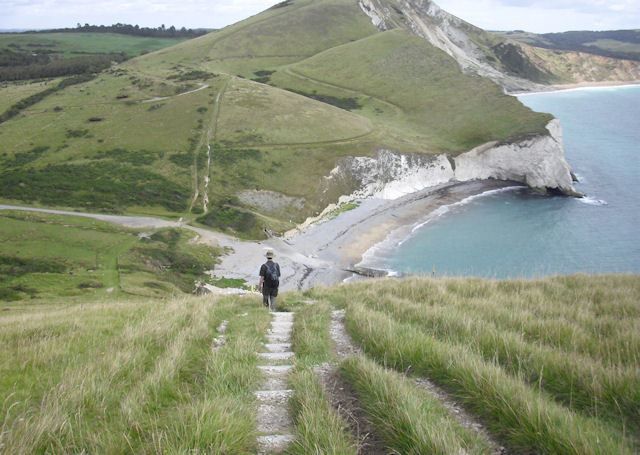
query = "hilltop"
{"x": 620, "y": 44}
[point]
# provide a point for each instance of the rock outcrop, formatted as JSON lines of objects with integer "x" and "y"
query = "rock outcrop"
{"x": 536, "y": 161}
{"x": 461, "y": 40}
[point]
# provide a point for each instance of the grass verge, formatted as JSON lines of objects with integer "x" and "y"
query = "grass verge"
{"x": 319, "y": 427}
{"x": 410, "y": 420}
{"x": 525, "y": 418}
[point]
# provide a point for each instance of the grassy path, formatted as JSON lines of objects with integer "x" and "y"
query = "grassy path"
{"x": 109, "y": 261}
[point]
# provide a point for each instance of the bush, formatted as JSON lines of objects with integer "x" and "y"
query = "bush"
{"x": 181, "y": 159}
{"x": 100, "y": 185}
{"x": 135, "y": 157}
{"x": 22, "y": 158}
{"x": 228, "y": 218}
{"x": 14, "y": 266}
{"x": 347, "y": 104}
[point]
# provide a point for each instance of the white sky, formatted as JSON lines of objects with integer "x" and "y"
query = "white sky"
{"x": 531, "y": 15}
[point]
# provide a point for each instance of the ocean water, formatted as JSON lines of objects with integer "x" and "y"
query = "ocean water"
{"x": 514, "y": 233}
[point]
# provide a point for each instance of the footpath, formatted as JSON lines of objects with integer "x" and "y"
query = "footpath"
{"x": 274, "y": 423}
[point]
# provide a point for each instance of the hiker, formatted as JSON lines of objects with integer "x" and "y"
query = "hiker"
{"x": 269, "y": 281}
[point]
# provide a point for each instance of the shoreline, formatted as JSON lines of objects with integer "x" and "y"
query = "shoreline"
{"x": 372, "y": 257}
{"x": 326, "y": 252}
{"x": 577, "y": 87}
{"x": 341, "y": 244}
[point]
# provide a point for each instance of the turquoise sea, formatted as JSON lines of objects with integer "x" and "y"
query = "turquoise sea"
{"x": 515, "y": 233}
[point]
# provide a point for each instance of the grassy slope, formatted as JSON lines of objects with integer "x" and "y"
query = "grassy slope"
{"x": 10, "y": 93}
{"x": 332, "y": 42}
{"x": 549, "y": 408}
{"x": 73, "y": 44}
{"x": 135, "y": 376}
{"x": 162, "y": 388}
{"x": 447, "y": 109}
{"x": 48, "y": 256}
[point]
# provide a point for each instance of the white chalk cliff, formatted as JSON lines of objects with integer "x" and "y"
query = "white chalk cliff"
{"x": 537, "y": 161}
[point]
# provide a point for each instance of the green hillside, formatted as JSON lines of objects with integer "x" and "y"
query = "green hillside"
{"x": 147, "y": 135}
{"x": 45, "y": 257}
{"x": 72, "y": 44}
{"x": 447, "y": 366}
{"x": 623, "y": 44}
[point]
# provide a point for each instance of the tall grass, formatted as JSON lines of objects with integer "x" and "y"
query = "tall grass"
{"x": 410, "y": 420}
{"x": 320, "y": 428}
{"x": 310, "y": 337}
{"x": 577, "y": 381}
{"x": 522, "y": 416}
{"x": 155, "y": 387}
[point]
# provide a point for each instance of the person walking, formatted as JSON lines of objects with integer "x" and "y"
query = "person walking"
{"x": 269, "y": 281}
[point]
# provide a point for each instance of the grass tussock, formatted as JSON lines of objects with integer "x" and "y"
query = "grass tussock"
{"x": 310, "y": 338}
{"x": 410, "y": 420}
{"x": 320, "y": 429}
{"x": 578, "y": 381}
{"x": 524, "y": 417}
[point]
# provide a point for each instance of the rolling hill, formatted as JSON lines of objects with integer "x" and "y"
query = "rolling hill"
{"x": 623, "y": 44}
{"x": 240, "y": 129}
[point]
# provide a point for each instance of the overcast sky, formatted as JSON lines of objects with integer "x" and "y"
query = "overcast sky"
{"x": 531, "y": 15}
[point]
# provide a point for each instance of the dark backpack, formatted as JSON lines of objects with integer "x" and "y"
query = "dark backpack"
{"x": 271, "y": 278}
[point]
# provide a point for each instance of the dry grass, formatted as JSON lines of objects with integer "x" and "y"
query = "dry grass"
{"x": 135, "y": 377}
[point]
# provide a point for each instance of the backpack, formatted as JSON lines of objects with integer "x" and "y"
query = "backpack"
{"x": 271, "y": 278}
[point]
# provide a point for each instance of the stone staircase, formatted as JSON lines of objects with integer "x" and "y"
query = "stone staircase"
{"x": 275, "y": 426}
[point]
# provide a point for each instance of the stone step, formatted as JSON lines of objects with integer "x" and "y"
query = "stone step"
{"x": 281, "y": 328}
{"x": 281, "y": 323}
{"x": 277, "y": 347}
{"x": 274, "y": 396}
{"x": 275, "y": 383}
{"x": 275, "y": 369}
{"x": 273, "y": 419}
{"x": 278, "y": 338}
{"x": 274, "y": 443}
{"x": 275, "y": 355}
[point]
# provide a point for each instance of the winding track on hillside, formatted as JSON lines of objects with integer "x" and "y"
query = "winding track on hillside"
{"x": 293, "y": 73}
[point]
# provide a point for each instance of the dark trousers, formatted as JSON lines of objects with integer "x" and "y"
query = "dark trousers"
{"x": 269, "y": 297}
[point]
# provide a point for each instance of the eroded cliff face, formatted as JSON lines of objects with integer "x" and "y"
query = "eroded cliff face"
{"x": 445, "y": 31}
{"x": 512, "y": 65}
{"x": 390, "y": 175}
{"x": 537, "y": 161}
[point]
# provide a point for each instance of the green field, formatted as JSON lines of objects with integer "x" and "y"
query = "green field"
{"x": 72, "y": 44}
{"x": 547, "y": 366}
{"x": 48, "y": 256}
